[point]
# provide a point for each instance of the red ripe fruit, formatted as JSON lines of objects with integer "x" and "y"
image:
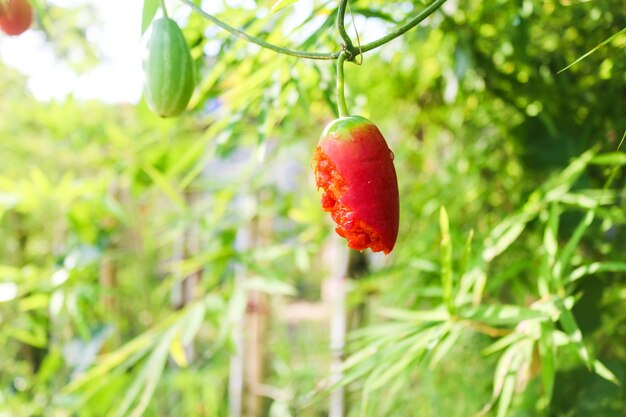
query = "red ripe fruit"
{"x": 354, "y": 167}
{"x": 15, "y": 16}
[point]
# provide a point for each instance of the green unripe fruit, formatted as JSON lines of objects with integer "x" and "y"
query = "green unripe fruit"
{"x": 168, "y": 69}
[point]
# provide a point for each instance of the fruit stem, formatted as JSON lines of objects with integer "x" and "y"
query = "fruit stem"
{"x": 341, "y": 97}
{"x": 164, "y": 9}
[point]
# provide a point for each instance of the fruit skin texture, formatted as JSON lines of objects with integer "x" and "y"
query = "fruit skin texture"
{"x": 354, "y": 167}
{"x": 16, "y": 16}
{"x": 168, "y": 69}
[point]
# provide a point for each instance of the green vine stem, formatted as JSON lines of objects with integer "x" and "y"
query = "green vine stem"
{"x": 164, "y": 9}
{"x": 260, "y": 42}
{"x": 341, "y": 96}
{"x": 349, "y": 49}
{"x": 341, "y": 28}
{"x": 404, "y": 28}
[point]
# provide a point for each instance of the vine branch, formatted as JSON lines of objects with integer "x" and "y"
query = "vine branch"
{"x": 243, "y": 35}
{"x": 404, "y": 28}
{"x": 348, "y": 48}
{"x": 341, "y": 28}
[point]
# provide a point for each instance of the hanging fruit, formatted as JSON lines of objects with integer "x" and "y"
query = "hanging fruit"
{"x": 354, "y": 167}
{"x": 16, "y": 16}
{"x": 168, "y": 69}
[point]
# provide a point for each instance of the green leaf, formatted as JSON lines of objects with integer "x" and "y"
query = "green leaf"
{"x": 444, "y": 345}
{"x": 497, "y": 315}
{"x": 165, "y": 186}
{"x": 193, "y": 323}
{"x": 446, "y": 259}
{"x": 611, "y": 158}
{"x": 504, "y": 235}
{"x": 154, "y": 365}
{"x": 570, "y": 326}
{"x": 600, "y": 369}
{"x": 547, "y": 354}
{"x": 615, "y": 35}
{"x": 413, "y": 316}
{"x": 270, "y": 286}
{"x": 570, "y": 247}
{"x": 281, "y": 4}
{"x": 503, "y": 342}
{"x": 545, "y": 280}
{"x": 150, "y": 8}
{"x": 596, "y": 267}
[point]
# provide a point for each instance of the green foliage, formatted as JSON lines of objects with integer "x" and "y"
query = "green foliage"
{"x": 504, "y": 295}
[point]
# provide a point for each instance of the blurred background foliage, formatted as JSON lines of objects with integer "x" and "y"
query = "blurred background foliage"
{"x": 144, "y": 262}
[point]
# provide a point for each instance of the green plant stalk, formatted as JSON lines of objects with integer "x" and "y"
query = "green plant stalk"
{"x": 341, "y": 97}
{"x": 341, "y": 28}
{"x": 404, "y": 28}
{"x": 260, "y": 42}
{"x": 164, "y": 9}
{"x": 349, "y": 47}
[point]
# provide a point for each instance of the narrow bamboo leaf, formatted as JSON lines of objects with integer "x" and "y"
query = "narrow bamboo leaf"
{"x": 570, "y": 326}
{"x": 479, "y": 287}
{"x": 551, "y": 232}
{"x": 414, "y": 316}
{"x": 615, "y": 35}
{"x": 270, "y": 286}
{"x": 155, "y": 365}
{"x": 150, "y": 8}
{"x": 177, "y": 351}
{"x": 596, "y": 267}
{"x": 506, "y": 395}
{"x": 34, "y": 336}
{"x": 572, "y": 244}
{"x": 503, "y": 369}
{"x": 545, "y": 279}
{"x": 560, "y": 184}
{"x": 443, "y": 347}
{"x": 367, "y": 12}
{"x": 511, "y": 369}
{"x": 467, "y": 253}
{"x": 281, "y": 4}
{"x": 131, "y": 392}
{"x": 504, "y": 240}
{"x": 547, "y": 354}
{"x": 406, "y": 356}
{"x": 424, "y": 265}
{"x": 600, "y": 369}
{"x": 446, "y": 259}
{"x": 501, "y": 314}
{"x": 587, "y": 201}
{"x": 503, "y": 342}
{"x": 193, "y": 323}
{"x": 164, "y": 185}
{"x": 124, "y": 355}
{"x": 96, "y": 385}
